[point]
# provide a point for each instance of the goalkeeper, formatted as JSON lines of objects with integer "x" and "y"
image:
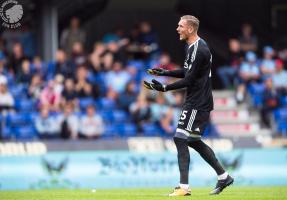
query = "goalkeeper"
{"x": 196, "y": 78}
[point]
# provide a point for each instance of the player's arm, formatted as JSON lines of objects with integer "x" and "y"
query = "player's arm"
{"x": 199, "y": 62}
{"x": 155, "y": 85}
{"x": 177, "y": 73}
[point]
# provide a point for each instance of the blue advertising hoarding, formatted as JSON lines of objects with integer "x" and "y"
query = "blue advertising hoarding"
{"x": 119, "y": 169}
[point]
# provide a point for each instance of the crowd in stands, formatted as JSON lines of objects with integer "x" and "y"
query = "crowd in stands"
{"x": 84, "y": 94}
{"x": 259, "y": 74}
{"x": 96, "y": 94}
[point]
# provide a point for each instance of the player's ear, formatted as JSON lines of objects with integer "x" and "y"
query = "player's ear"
{"x": 190, "y": 30}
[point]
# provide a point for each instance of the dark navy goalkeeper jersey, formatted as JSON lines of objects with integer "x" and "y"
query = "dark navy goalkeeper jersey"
{"x": 196, "y": 77}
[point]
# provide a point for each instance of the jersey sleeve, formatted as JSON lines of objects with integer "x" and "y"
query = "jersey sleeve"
{"x": 198, "y": 64}
{"x": 178, "y": 73}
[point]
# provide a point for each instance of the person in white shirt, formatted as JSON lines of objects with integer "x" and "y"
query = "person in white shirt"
{"x": 6, "y": 99}
{"x": 46, "y": 125}
{"x": 91, "y": 124}
{"x": 69, "y": 123}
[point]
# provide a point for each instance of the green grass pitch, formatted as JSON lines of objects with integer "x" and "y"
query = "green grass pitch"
{"x": 232, "y": 193}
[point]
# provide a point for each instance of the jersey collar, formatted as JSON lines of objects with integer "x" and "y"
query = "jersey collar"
{"x": 194, "y": 42}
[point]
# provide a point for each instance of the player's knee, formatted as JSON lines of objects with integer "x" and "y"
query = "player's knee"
{"x": 179, "y": 141}
{"x": 193, "y": 139}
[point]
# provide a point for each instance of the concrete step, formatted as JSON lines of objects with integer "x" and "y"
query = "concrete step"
{"x": 223, "y": 93}
{"x": 259, "y": 133}
{"x": 234, "y": 128}
{"x": 224, "y": 102}
{"x": 233, "y": 116}
{"x": 230, "y": 114}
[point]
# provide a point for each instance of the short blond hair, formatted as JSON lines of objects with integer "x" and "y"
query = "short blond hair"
{"x": 191, "y": 21}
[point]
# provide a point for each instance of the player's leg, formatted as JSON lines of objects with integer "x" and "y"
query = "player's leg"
{"x": 208, "y": 155}
{"x": 196, "y": 128}
{"x": 183, "y": 157}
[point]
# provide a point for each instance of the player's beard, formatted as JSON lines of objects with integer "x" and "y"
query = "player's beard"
{"x": 182, "y": 37}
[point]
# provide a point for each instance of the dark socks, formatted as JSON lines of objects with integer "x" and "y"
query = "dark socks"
{"x": 183, "y": 158}
{"x": 207, "y": 154}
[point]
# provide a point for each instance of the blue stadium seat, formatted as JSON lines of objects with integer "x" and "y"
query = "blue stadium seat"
{"x": 256, "y": 88}
{"x": 257, "y": 100}
{"x": 150, "y": 129}
{"x": 282, "y": 127}
{"x": 110, "y": 131}
{"x": 107, "y": 116}
{"x": 127, "y": 129}
{"x": 18, "y": 91}
{"x": 18, "y": 119}
{"x": 136, "y": 63}
{"x": 283, "y": 101}
{"x": 120, "y": 116}
{"x": 85, "y": 102}
{"x": 7, "y": 133}
{"x": 107, "y": 104}
{"x": 24, "y": 105}
{"x": 25, "y": 132}
{"x": 280, "y": 114}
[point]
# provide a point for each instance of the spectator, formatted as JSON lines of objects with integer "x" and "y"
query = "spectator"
{"x": 16, "y": 59}
{"x": 107, "y": 60}
{"x": 71, "y": 35}
{"x": 50, "y": 97}
{"x": 69, "y": 123}
{"x": 11, "y": 37}
{"x": 117, "y": 51}
{"x": 6, "y": 99}
{"x": 96, "y": 57}
{"x": 36, "y": 86}
{"x": 58, "y": 83}
{"x": 61, "y": 66}
{"x": 117, "y": 78}
{"x": 165, "y": 62}
{"x": 69, "y": 94}
{"x": 24, "y": 75}
{"x": 46, "y": 126}
{"x": 227, "y": 73}
{"x": 39, "y": 67}
{"x": 166, "y": 122}
{"x": 91, "y": 124}
{"x": 280, "y": 78}
{"x": 282, "y": 54}
{"x": 3, "y": 70}
{"x": 78, "y": 55}
{"x": 270, "y": 102}
{"x": 248, "y": 73}
{"x": 178, "y": 100}
{"x": 126, "y": 98}
{"x": 248, "y": 41}
{"x": 267, "y": 66}
{"x": 133, "y": 46}
{"x": 83, "y": 87}
{"x": 140, "y": 112}
{"x": 158, "y": 108}
{"x": 148, "y": 38}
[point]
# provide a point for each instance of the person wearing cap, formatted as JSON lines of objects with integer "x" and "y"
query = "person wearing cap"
{"x": 248, "y": 73}
{"x": 267, "y": 66}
